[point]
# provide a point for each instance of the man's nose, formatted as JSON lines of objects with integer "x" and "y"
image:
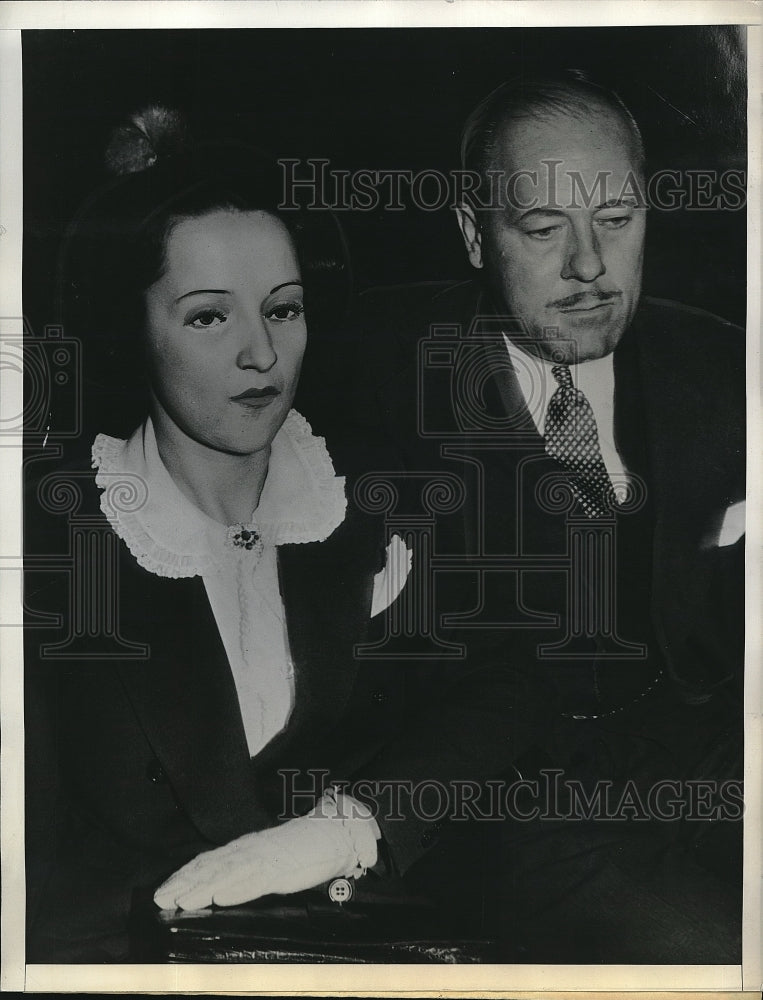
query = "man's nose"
{"x": 257, "y": 350}
{"x": 583, "y": 260}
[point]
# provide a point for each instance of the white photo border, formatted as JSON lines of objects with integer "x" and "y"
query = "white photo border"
{"x": 333, "y": 979}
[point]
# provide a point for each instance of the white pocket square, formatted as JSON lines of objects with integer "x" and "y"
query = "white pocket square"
{"x": 390, "y": 581}
{"x": 733, "y": 525}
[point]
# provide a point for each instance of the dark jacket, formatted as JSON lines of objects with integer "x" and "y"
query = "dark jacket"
{"x": 136, "y": 754}
{"x": 437, "y": 381}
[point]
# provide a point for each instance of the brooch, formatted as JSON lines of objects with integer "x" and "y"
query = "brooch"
{"x": 244, "y": 536}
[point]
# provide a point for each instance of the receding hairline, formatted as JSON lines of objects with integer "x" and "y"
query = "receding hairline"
{"x": 569, "y": 92}
{"x": 573, "y": 106}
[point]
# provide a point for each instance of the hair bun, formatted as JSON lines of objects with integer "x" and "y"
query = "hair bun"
{"x": 153, "y": 132}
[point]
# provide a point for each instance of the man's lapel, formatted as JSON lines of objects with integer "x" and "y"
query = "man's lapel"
{"x": 503, "y": 403}
{"x": 510, "y": 447}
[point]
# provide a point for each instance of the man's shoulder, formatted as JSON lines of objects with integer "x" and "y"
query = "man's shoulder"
{"x": 417, "y": 290}
{"x": 678, "y": 318}
{"x": 422, "y": 300}
{"x": 685, "y": 338}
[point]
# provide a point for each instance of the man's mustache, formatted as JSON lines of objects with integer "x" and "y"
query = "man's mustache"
{"x": 584, "y": 298}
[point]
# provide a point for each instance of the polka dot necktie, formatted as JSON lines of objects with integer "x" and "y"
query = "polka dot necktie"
{"x": 572, "y": 438}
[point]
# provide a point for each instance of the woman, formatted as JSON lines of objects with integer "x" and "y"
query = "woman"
{"x": 241, "y": 582}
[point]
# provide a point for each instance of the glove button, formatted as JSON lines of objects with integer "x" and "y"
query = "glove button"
{"x": 340, "y": 890}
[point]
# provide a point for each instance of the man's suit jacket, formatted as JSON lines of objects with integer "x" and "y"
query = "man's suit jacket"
{"x": 437, "y": 381}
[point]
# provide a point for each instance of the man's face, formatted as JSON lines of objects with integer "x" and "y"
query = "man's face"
{"x": 563, "y": 250}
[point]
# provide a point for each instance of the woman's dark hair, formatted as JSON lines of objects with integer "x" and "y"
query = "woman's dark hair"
{"x": 115, "y": 250}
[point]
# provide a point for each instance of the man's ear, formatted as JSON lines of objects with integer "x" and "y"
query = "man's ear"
{"x": 470, "y": 230}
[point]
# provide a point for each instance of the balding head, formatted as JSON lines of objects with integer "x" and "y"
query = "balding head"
{"x": 568, "y": 92}
{"x": 559, "y": 239}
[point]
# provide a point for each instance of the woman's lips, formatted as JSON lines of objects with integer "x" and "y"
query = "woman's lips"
{"x": 257, "y": 398}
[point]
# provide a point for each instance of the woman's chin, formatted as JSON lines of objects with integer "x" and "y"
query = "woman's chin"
{"x": 250, "y": 440}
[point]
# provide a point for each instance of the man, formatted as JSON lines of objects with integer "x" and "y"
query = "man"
{"x": 598, "y": 438}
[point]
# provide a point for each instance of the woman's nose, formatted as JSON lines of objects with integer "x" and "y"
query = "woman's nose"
{"x": 257, "y": 349}
{"x": 583, "y": 260}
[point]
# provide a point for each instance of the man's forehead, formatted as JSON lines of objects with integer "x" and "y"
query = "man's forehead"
{"x": 588, "y": 139}
{"x": 566, "y": 159}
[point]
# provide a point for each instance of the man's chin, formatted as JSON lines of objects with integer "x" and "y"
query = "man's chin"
{"x": 575, "y": 346}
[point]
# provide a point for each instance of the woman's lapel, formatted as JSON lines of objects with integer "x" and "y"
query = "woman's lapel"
{"x": 326, "y": 589}
{"x": 186, "y": 699}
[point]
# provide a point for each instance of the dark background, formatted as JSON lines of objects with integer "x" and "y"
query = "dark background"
{"x": 384, "y": 99}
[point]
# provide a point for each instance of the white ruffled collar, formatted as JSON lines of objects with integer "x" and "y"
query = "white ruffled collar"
{"x": 303, "y": 500}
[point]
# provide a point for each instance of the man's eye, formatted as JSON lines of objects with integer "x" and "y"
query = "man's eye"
{"x": 615, "y": 221}
{"x": 206, "y": 319}
{"x": 543, "y": 234}
{"x": 285, "y": 311}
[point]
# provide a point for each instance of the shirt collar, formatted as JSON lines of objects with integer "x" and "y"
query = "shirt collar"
{"x": 536, "y": 381}
{"x": 302, "y": 500}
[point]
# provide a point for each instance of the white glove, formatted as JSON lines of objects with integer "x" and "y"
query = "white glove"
{"x": 337, "y": 838}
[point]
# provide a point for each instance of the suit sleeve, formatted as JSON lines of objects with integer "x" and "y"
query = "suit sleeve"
{"x": 466, "y": 720}
{"x": 475, "y": 730}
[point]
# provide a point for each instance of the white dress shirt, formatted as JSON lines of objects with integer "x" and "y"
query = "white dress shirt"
{"x": 302, "y": 500}
{"x": 596, "y": 379}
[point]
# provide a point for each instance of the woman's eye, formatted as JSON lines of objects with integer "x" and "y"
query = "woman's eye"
{"x": 207, "y": 319}
{"x": 285, "y": 311}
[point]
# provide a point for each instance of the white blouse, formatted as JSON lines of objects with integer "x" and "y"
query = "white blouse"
{"x": 302, "y": 500}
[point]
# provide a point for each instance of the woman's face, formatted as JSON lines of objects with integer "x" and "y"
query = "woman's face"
{"x": 225, "y": 331}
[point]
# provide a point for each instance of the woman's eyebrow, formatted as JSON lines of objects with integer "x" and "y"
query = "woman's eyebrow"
{"x": 202, "y": 291}
{"x": 224, "y": 291}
